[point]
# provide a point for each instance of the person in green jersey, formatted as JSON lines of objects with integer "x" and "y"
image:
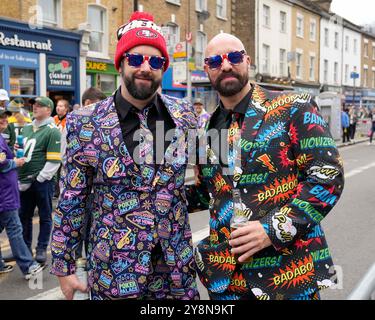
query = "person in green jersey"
{"x": 42, "y": 141}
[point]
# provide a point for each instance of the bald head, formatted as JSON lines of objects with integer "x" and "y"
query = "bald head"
{"x": 223, "y": 43}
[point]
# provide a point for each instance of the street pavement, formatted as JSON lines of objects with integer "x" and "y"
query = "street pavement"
{"x": 349, "y": 229}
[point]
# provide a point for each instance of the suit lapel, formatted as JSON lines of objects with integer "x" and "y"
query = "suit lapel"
{"x": 176, "y": 152}
{"x": 252, "y": 123}
{"x": 254, "y": 117}
{"x": 106, "y": 119}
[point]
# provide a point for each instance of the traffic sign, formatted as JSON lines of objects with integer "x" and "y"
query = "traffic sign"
{"x": 354, "y": 75}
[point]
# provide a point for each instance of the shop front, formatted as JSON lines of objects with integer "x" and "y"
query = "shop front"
{"x": 39, "y": 62}
{"x": 368, "y": 98}
{"x": 102, "y": 75}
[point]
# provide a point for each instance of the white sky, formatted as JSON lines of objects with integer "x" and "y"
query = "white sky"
{"x": 357, "y": 11}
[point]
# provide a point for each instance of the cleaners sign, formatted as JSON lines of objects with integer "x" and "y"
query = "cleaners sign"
{"x": 60, "y": 72}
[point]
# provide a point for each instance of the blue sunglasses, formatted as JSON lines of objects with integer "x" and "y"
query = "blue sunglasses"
{"x": 234, "y": 57}
{"x": 135, "y": 60}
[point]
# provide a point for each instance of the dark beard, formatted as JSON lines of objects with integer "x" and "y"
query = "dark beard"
{"x": 140, "y": 92}
{"x": 230, "y": 89}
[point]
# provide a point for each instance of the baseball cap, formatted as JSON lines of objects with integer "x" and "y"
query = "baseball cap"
{"x": 15, "y": 105}
{"x": 4, "y": 95}
{"x": 45, "y": 102}
{"x": 198, "y": 101}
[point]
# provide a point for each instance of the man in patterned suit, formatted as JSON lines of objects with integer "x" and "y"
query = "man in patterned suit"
{"x": 140, "y": 240}
{"x": 284, "y": 179}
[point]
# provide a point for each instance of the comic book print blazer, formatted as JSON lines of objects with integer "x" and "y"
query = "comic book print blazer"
{"x": 292, "y": 177}
{"x": 133, "y": 209}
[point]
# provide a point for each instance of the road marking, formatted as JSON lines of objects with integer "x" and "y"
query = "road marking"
{"x": 359, "y": 170}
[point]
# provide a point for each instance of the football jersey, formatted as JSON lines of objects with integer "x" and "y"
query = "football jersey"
{"x": 41, "y": 144}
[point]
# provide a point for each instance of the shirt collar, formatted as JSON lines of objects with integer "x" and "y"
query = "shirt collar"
{"x": 241, "y": 107}
{"x": 123, "y": 106}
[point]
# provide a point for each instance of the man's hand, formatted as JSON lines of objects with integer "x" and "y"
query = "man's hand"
{"x": 19, "y": 161}
{"x": 69, "y": 284}
{"x": 248, "y": 240}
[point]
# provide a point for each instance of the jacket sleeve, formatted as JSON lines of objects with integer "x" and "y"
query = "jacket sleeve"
{"x": 70, "y": 212}
{"x": 320, "y": 178}
{"x": 5, "y": 163}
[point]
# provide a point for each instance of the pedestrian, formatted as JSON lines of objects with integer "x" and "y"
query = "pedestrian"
{"x": 140, "y": 239}
{"x": 203, "y": 115}
{"x": 281, "y": 175}
{"x": 7, "y": 133}
{"x": 62, "y": 109}
{"x": 9, "y": 205}
{"x": 92, "y": 95}
{"x": 353, "y": 119}
{"x": 43, "y": 158}
{"x": 20, "y": 118}
{"x": 372, "y": 128}
{"x": 345, "y": 124}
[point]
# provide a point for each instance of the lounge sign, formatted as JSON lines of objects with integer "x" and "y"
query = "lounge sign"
{"x": 60, "y": 72}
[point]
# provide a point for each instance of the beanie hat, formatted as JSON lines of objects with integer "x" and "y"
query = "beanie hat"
{"x": 140, "y": 30}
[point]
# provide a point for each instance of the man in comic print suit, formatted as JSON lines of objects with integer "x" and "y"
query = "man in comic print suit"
{"x": 140, "y": 240}
{"x": 289, "y": 175}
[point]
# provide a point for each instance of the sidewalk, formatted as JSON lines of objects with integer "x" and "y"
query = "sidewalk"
{"x": 353, "y": 142}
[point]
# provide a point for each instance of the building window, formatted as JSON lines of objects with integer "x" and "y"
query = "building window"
{"x": 346, "y": 73}
{"x": 300, "y": 26}
{"x": 365, "y": 49}
{"x": 312, "y": 30}
{"x": 266, "y": 59}
{"x": 373, "y": 78}
{"x": 282, "y": 21}
{"x": 221, "y": 9}
{"x": 365, "y": 77}
{"x": 346, "y": 44}
{"x": 355, "y": 43}
{"x": 373, "y": 52}
{"x": 336, "y": 72}
{"x": 326, "y": 37}
{"x": 266, "y": 16}
{"x": 173, "y": 36}
{"x": 312, "y": 68}
{"x": 178, "y": 2}
{"x": 96, "y": 19}
{"x": 200, "y": 48}
{"x": 22, "y": 82}
{"x": 51, "y": 12}
{"x": 326, "y": 71}
{"x": 282, "y": 62}
{"x": 336, "y": 40}
{"x": 201, "y": 5}
{"x": 299, "y": 66}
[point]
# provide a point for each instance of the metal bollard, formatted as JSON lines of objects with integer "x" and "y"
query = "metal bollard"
{"x": 365, "y": 289}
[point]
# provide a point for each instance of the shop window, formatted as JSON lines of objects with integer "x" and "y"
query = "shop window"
{"x": 107, "y": 83}
{"x": 22, "y": 82}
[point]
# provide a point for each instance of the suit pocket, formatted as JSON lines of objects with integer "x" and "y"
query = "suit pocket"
{"x": 215, "y": 265}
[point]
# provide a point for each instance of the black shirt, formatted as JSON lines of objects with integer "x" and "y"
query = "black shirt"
{"x": 130, "y": 123}
{"x": 221, "y": 119}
